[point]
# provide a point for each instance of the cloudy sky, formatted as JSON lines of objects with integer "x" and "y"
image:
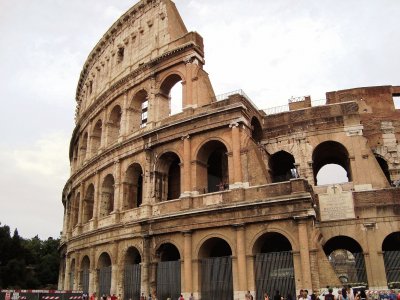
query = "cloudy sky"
{"x": 271, "y": 49}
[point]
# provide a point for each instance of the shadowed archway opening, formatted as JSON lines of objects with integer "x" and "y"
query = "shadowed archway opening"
{"x": 331, "y": 152}
{"x": 168, "y": 177}
{"x": 104, "y": 274}
{"x": 256, "y": 130}
{"x": 384, "y": 167}
{"x": 282, "y": 167}
{"x": 273, "y": 265}
{"x": 168, "y": 272}
{"x": 107, "y": 196}
{"x": 85, "y": 271}
{"x": 216, "y": 269}
{"x": 347, "y": 260}
{"x": 133, "y": 187}
{"x": 391, "y": 256}
{"x": 88, "y": 204}
{"x": 132, "y": 274}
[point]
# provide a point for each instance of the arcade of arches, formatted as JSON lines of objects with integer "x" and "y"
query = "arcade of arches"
{"x": 209, "y": 195}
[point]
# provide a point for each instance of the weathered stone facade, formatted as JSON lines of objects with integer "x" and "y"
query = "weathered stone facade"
{"x": 221, "y": 179}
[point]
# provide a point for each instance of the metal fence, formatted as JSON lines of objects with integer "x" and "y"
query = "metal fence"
{"x": 104, "y": 281}
{"x": 274, "y": 271}
{"x": 216, "y": 278}
{"x": 168, "y": 280}
{"x": 392, "y": 266}
{"x": 132, "y": 281}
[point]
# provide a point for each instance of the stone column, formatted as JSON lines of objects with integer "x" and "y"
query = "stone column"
{"x": 114, "y": 269}
{"x": 241, "y": 260}
{"x": 124, "y": 117}
{"x": 104, "y": 129}
{"x": 117, "y": 188}
{"x": 187, "y": 264}
{"x": 374, "y": 262}
{"x": 80, "y": 208}
{"x": 237, "y": 164}
{"x": 67, "y": 271}
{"x": 93, "y": 272}
{"x": 96, "y": 201}
{"x": 304, "y": 254}
{"x": 187, "y": 180}
{"x": 144, "y": 265}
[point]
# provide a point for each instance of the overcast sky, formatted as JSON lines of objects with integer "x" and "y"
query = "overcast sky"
{"x": 271, "y": 49}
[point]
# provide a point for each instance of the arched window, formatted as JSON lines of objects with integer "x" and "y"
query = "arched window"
{"x": 347, "y": 260}
{"x": 84, "y": 145}
{"x": 331, "y": 153}
{"x": 75, "y": 210}
{"x": 168, "y": 272}
{"x": 256, "y": 130}
{"x": 212, "y": 167}
{"x": 391, "y": 256}
{"x": 96, "y": 137}
{"x": 84, "y": 278}
{"x": 133, "y": 187}
{"x": 107, "y": 196}
{"x": 104, "y": 277}
{"x": 282, "y": 166}
{"x": 138, "y": 113}
{"x": 132, "y": 274}
{"x": 168, "y": 177}
{"x": 88, "y": 204}
{"x": 114, "y": 124}
{"x": 216, "y": 269}
{"x": 171, "y": 90}
{"x": 279, "y": 275}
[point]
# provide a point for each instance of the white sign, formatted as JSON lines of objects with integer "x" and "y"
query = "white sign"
{"x": 336, "y": 204}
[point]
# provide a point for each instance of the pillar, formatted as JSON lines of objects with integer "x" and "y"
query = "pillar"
{"x": 67, "y": 271}
{"x": 237, "y": 164}
{"x": 124, "y": 117}
{"x": 93, "y": 273}
{"x": 304, "y": 254}
{"x": 187, "y": 180}
{"x": 115, "y": 276}
{"x": 80, "y": 205}
{"x": 144, "y": 265}
{"x": 187, "y": 264}
{"x": 241, "y": 260}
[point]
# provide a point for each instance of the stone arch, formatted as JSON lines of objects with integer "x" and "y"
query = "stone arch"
{"x": 133, "y": 187}
{"x": 282, "y": 166}
{"x": 331, "y": 152}
{"x": 215, "y": 270}
{"x": 384, "y": 166}
{"x": 273, "y": 263}
{"x": 96, "y": 136}
{"x": 347, "y": 259}
{"x": 391, "y": 257}
{"x": 212, "y": 170}
{"x": 84, "y": 146}
{"x": 168, "y": 83}
{"x": 75, "y": 209}
{"x": 88, "y": 204}
{"x": 256, "y": 130}
{"x": 275, "y": 231}
{"x": 168, "y": 271}
{"x": 138, "y": 110}
{"x": 104, "y": 265}
{"x": 85, "y": 271}
{"x": 114, "y": 124}
{"x": 132, "y": 273}
{"x": 75, "y": 155}
{"x": 107, "y": 196}
{"x": 168, "y": 176}
{"x": 217, "y": 236}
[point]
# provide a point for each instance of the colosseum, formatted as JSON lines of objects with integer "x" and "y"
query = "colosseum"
{"x": 221, "y": 197}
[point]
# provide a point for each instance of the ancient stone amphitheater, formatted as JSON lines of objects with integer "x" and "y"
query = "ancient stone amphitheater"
{"x": 221, "y": 198}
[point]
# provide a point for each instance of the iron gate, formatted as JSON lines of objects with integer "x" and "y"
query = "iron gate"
{"x": 132, "y": 281}
{"x": 352, "y": 270}
{"x": 216, "y": 278}
{"x": 85, "y": 280}
{"x": 274, "y": 271}
{"x": 104, "y": 281}
{"x": 392, "y": 266}
{"x": 71, "y": 280}
{"x": 168, "y": 279}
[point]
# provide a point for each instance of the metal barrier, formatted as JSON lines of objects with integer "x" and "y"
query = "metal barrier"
{"x": 40, "y": 295}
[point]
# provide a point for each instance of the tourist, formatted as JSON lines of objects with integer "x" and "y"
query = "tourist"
{"x": 330, "y": 296}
